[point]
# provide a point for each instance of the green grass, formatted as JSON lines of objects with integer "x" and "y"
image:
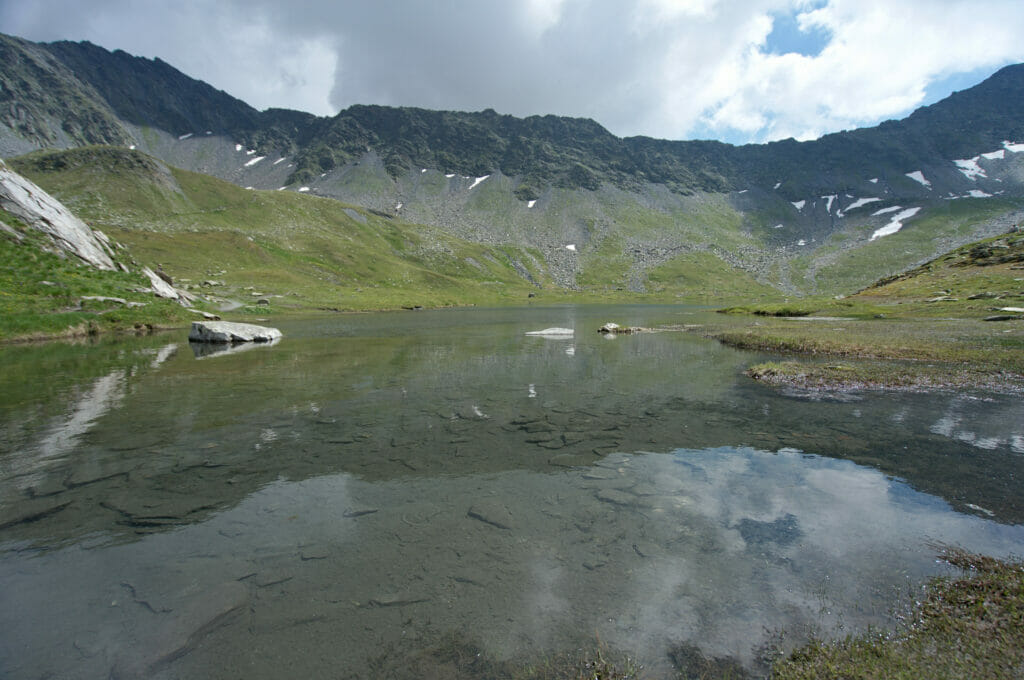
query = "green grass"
{"x": 42, "y": 294}
{"x": 694, "y": 274}
{"x": 969, "y": 628}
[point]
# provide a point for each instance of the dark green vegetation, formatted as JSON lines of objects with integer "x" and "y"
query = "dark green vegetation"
{"x": 966, "y": 627}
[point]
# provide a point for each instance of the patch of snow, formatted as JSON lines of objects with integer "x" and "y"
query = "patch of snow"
{"x": 1015, "y": 148}
{"x": 250, "y": 152}
{"x": 323, "y": 174}
{"x": 423, "y": 171}
{"x": 570, "y": 351}
{"x": 886, "y": 210}
{"x": 530, "y": 204}
{"x": 830, "y": 199}
{"x": 801, "y": 242}
{"x": 254, "y": 161}
{"x": 238, "y": 147}
{"x": 895, "y": 223}
{"x": 209, "y": 132}
{"x": 554, "y": 332}
{"x": 918, "y": 177}
{"x": 799, "y": 205}
{"x": 777, "y": 185}
{"x": 249, "y": 188}
{"x": 132, "y": 147}
{"x": 281, "y": 188}
{"x": 572, "y": 247}
{"x": 450, "y": 176}
{"x": 970, "y": 168}
{"x": 995, "y": 155}
{"x": 399, "y": 206}
{"x": 978, "y": 193}
{"x": 303, "y": 189}
{"x": 777, "y": 226}
{"x": 531, "y": 393}
{"x": 873, "y": 180}
{"x": 477, "y": 181}
{"x": 861, "y": 202}
{"x": 742, "y": 192}
{"x": 182, "y": 138}
{"x": 279, "y": 160}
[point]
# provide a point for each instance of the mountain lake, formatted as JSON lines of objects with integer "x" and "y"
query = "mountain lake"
{"x": 378, "y": 487}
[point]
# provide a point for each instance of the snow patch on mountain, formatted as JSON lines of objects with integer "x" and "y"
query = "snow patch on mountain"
{"x": 183, "y": 137}
{"x": 799, "y": 205}
{"x": 895, "y": 223}
{"x": 254, "y": 161}
{"x": 830, "y": 199}
{"x": 884, "y": 211}
{"x": 919, "y": 177}
{"x": 970, "y": 168}
{"x": 860, "y": 202}
{"x": 477, "y": 181}
{"x": 978, "y": 193}
{"x": 530, "y": 204}
{"x": 995, "y": 155}
{"x": 1015, "y": 148}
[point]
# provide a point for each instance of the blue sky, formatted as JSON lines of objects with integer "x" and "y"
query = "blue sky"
{"x": 736, "y": 70}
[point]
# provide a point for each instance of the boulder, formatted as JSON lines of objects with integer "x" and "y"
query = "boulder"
{"x": 226, "y": 331}
{"x": 41, "y": 211}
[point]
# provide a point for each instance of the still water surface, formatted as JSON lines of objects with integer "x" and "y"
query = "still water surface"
{"x": 376, "y": 484}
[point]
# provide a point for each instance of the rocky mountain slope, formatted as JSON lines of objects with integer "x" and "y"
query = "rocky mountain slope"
{"x": 827, "y": 216}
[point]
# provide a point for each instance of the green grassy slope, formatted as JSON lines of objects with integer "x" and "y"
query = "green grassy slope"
{"x": 312, "y": 252}
{"x": 46, "y": 295}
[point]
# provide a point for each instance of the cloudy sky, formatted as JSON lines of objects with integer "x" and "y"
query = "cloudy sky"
{"x": 736, "y": 70}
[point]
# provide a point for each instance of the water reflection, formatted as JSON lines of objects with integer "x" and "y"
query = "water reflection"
{"x": 714, "y": 546}
{"x": 384, "y": 479}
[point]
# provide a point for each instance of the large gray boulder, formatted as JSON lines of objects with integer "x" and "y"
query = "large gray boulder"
{"x": 39, "y": 210}
{"x": 226, "y": 331}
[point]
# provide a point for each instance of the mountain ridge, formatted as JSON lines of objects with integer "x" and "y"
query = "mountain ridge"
{"x": 790, "y": 213}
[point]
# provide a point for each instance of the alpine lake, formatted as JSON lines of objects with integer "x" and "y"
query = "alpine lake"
{"x": 378, "y": 487}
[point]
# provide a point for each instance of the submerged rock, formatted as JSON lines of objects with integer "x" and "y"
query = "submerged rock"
{"x": 226, "y": 331}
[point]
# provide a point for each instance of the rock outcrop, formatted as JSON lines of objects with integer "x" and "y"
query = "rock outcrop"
{"x": 41, "y": 211}
{"x": 226, "y": 331}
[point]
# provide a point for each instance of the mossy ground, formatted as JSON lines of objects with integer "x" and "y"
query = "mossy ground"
{"x": 969, "y": 627}
{"x": 929, "y": 324}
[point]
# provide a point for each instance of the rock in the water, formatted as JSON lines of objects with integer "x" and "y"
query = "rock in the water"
{"x": 226, "y": 331}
